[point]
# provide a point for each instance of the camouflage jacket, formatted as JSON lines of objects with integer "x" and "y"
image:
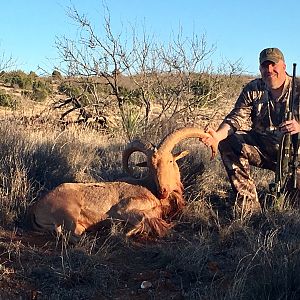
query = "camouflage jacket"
{"x": 255, "y": 109}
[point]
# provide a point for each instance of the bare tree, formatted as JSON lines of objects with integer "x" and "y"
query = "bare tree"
{"x": 6, "y": 62}
{"x": 141, "y": 73}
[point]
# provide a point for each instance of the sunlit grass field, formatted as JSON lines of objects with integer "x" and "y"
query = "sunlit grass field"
{"x": 208, "y": 254}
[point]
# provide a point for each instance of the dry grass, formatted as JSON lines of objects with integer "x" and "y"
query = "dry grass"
{"x": 208, "y": 254}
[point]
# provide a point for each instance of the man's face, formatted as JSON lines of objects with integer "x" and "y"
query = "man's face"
{"x": 273, "y": 74}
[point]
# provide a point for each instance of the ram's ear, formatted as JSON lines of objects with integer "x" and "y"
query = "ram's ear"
{"x": 180, "y": 154}
{"x": 142, "y": 164}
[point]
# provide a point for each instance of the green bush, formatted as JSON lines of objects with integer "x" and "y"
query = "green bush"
{"x": 69, "y": 89}
{"x": 133, "y": 96}
{"x": 6, "y": 100}
{"x": 39, "y": 94}
{"x": 75, "y": 90}
{"x": 36, "y": 88}
{"x": 19, "y": 79}
{"x": 40, "y": 90}
{"x": 56, "y": 75}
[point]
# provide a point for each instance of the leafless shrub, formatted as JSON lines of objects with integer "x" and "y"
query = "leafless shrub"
{"x": 6, "y": 62}
{"x": 149, "y": 83}
{"x": 39, "y": 160}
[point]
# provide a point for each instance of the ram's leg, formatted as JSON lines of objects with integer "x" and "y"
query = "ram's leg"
{"x": 146, "y": 217}
{"x": 79, "y": 229}
{"x": 71, "y": 229}
{"x": 151, "y": 226}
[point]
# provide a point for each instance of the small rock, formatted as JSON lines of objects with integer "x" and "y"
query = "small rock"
{"x": 146, "y": 284}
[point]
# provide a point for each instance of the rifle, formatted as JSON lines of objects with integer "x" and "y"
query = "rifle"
{"x": 287, "y": 157}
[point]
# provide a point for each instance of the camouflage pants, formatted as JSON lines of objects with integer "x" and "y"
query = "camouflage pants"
{"x": 241, "y": 150}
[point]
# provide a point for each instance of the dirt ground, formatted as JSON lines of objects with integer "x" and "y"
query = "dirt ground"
{"x": 140, "y": 267}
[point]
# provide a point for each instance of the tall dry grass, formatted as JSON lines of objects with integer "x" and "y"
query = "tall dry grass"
{"x": 208, "y": 254}
{"x": 35, "y": 161}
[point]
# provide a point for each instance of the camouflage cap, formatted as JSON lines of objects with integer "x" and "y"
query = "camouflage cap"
{"x": 271, "y": 54}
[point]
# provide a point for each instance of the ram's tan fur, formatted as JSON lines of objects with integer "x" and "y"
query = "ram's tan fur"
{"x": 79, "y": 206}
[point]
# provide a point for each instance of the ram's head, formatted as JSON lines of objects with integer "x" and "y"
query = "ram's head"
{"x": 161, "y": 162}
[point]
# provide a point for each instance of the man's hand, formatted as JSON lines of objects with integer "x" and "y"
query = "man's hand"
{"x": 290, "y": 126}
{"x": 212, "y": 141}
{"x": 213, "y": 137}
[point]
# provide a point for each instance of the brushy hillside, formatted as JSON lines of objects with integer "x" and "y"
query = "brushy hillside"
{"x": 207, "y": 255}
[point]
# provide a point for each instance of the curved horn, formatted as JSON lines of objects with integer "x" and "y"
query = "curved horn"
{"x": 135, "y": 146}
{"x": 169, "y": 142}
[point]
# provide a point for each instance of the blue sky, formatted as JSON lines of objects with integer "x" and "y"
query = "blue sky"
{"x": 239, "y": 29}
